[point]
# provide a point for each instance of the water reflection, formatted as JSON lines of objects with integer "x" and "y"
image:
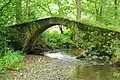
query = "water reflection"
{"x": 73, "y": 52}
{"x": 95, "y": 73}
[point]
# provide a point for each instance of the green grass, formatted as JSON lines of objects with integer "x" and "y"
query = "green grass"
{"x": 10, "y": 60}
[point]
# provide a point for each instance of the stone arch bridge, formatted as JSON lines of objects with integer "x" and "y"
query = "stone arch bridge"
{"x": 23, "y": 35}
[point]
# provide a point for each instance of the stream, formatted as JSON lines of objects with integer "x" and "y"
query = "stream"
{"x": 63, "y": 65}
{"x": 87, "y": 69}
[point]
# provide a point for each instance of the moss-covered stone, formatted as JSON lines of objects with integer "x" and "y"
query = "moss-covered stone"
{"x": 96, "y": 37}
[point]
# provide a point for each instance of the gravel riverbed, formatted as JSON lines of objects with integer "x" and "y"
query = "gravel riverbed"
{"x": 43, "y": 68}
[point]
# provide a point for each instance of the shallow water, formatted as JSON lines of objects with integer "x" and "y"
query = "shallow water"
{"x": 95, "y": 73}
{"x": 87, "y": 69}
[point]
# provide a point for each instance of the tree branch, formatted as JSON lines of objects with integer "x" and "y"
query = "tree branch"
{"x": 5, "y": 5}
{"x": 45, "y": 9}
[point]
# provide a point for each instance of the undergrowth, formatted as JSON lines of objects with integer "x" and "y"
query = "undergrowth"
{"x": 11, "y": 60}
{"x": 55, "y": 39}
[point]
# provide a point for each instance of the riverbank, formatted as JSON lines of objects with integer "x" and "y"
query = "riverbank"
{"x": 37, "y": 67}
{"x": 42, "y": 68}
{"x": 59, "y": 66}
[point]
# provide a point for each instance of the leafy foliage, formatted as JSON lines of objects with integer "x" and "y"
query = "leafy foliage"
{"x": 55, "y": 39}
{"x": 99, "y": 42}
{"x": 11, "y": 60}
{"x": 3, "y": 39}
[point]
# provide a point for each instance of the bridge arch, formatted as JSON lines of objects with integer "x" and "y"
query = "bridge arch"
{"x": 33, "y": 38}
{"x": 23, "y": 35}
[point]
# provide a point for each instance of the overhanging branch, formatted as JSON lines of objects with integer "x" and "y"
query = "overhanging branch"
{"x": 45, "y": 9}
{"x": 5, "y": 5}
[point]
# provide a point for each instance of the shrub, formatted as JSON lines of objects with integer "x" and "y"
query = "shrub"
{"x": 3, "y": 39}
{"x": 11, "y": 60}
{"x": 55, "y": 39}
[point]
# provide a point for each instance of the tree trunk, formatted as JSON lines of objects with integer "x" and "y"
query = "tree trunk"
{"x": 102, "y": 10}
{"x": 60, "y": 27}
{"x": 18, "y": 11}
{"x": 27, "y": 8}
{"x": 78, "y": 6}
{"x": 115, "y": 3}
{"x": 97, "y": 11}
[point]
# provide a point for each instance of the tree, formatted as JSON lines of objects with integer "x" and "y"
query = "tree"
{"x": 115, "y": 3}
{"x": 78, "y": 6}
{"x": 102, "y": 9}
{"x": 27, "y": 8}
{"x": 18, "y": 11}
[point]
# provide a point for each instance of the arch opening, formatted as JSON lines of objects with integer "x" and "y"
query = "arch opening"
{"x": 38, "y": 35}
